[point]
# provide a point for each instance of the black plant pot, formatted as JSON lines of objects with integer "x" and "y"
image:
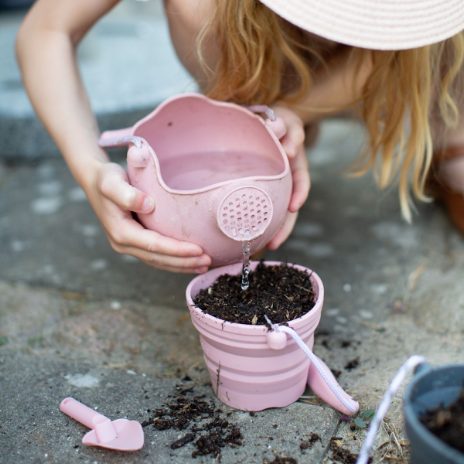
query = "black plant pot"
{"x": 430, "y": 389}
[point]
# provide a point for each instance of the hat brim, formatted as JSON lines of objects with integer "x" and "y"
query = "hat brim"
{"x": 375, "y": 24}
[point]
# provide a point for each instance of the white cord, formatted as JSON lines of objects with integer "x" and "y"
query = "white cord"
{"x": 404, "y": 370}
{"x": 334, "y": 388}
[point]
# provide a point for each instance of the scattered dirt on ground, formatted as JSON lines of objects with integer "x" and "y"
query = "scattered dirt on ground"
{"x": 206, "y": 426}
{"x": 352, "y": 364}
{"x": 447, "y": 423}
{"x": 307, "y": 444}
{"x": 282, "y": 293}
{"x": 281, "y": 460}
{"x": 341, "y": 454}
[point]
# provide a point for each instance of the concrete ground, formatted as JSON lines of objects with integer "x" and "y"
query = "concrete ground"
{"x": 76, "y": 319}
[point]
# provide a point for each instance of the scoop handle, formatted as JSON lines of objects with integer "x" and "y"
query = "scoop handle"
{"x": 81, "y": 413}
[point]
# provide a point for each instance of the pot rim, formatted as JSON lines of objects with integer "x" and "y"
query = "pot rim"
{"x": 234, "y": 327}
{"x": 420, "y": 429}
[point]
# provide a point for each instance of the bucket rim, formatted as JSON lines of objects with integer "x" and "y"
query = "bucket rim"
{"x": 248, "y": 329}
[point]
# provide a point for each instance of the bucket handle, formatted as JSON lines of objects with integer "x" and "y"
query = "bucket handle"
{"x": 320, "y": 378}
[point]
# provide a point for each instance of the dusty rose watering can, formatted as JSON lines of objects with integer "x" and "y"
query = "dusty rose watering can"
{"x": 217, "y": 172}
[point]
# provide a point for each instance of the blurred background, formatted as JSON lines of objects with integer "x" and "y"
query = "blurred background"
{"x": 128, "y": 66}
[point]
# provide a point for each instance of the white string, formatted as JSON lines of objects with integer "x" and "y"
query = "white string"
{"x": 404, "y": 370}
{"x": 335, "y": 389}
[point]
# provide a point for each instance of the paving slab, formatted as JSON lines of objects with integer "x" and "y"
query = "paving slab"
{"x": 71, "y": 306}
{"x": 119, "y": 362}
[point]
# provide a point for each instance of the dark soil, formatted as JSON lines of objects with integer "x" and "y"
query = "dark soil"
{"x": 447, "y": 423}
{"x": 282, "y": 293}
{"x": 281, "y": 460}
{"x": 342, "y": 455}
{"x": 309, "y": 443}
{"x": 206, "y": 427}
{"x": 352, "y": 364}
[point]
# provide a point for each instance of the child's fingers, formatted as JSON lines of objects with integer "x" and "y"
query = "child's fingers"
{"x": 284, "y": 232}
{"x": 294, "y": 139}
{"x": 171, "y": 263}
{"x": 277, "y": 126}
{"x": 130, "y": 234}
{"x": 115, "y": 188}
{"x": 301, "y": 181}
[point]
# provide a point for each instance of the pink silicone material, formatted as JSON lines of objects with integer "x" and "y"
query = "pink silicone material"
{"x": 81, "y": 413}
{"x": 129, "y": 436}
{"x": 252, "y": 368}
{"x": 245, "y": 372}
{"x": 325, "y": 386}
{"x": 120, "y": 434}
{"x": 191, "y": 153}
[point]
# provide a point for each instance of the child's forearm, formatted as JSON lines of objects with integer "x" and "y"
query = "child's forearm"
{"x": 47, "y": 60}
{"x": 57, "y": 94}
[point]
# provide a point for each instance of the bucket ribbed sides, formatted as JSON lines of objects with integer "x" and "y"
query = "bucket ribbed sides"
{"x": 260, "y": 379}
{"x": 245, "y": 372}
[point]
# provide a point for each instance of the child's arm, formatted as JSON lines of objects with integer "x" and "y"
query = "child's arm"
{"x": 331, "y": 93}
{"x": 46, "y": 50}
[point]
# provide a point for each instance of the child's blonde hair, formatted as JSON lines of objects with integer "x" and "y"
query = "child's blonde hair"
{"x": 259, "y": 54}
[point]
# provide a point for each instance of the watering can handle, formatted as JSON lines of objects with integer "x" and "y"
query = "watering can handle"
{"x": 320, "y": 378}
{"x": 269, "y": 112}
{"x": 273, "y": 122}
{"x": 118, "y": 138}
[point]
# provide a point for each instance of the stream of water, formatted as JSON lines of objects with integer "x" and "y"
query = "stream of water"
{"x": 246, "y": 245}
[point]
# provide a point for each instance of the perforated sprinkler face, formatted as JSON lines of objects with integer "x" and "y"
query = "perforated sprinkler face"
{"x": 245, "y": 213}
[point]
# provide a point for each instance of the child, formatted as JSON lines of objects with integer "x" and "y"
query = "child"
{"x": 396, "y": 65}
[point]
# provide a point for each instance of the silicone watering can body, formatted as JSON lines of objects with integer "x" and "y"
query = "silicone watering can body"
{"x": 431, "y": 388}
{"x": 217, "y": 172}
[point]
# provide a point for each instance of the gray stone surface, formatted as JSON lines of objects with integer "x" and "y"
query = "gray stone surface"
{"x": 125, "y": 360}
{"x": 78, "y": 319}
{"x": 72, "y": 309}
{"x": 128, "y": 66}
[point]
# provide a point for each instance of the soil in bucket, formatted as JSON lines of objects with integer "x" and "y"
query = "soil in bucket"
{"x": 447, "y": 423}
{"x": 281, "y": 292}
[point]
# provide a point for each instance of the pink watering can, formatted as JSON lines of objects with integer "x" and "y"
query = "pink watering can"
{"x": 217, "y": 172}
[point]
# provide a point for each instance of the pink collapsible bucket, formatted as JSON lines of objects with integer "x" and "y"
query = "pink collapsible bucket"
{"x": 217, "y": 172}
{"x": 250, "y": 368}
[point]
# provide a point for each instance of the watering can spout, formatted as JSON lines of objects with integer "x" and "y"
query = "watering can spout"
{"x": 245, "y": 213}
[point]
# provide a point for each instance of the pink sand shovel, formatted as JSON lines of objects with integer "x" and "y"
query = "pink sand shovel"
{"x": 120, "y": 434}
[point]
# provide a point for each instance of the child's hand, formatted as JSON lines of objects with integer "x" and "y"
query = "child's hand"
{"x": 290, "y": 130}
{"x": 113, "y": 199}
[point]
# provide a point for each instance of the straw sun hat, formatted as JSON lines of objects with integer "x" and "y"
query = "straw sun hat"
{"x": 375, "y": 24}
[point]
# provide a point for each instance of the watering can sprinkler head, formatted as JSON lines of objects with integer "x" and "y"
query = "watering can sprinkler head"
{"x": 245, "y": 213}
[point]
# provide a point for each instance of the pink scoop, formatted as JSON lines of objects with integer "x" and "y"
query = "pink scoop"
{"x": 217, "y": 172}
{"x": 120, "y": 434}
